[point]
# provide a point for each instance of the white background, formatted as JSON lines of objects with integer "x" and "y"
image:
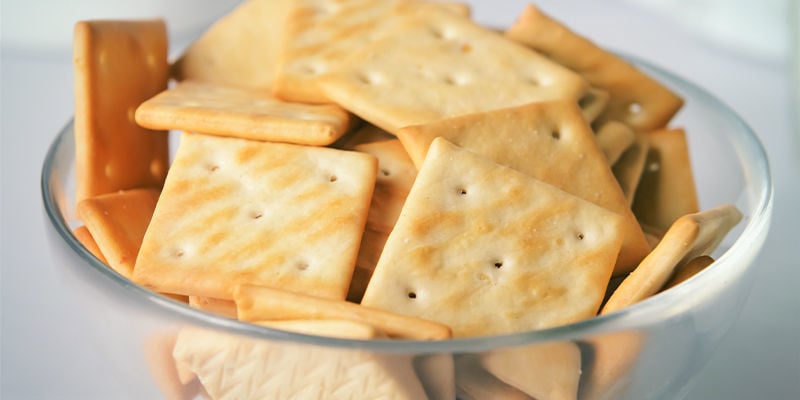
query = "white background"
{"x": 44, "y": 356}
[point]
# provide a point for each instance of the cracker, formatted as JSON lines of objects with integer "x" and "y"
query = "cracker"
{"x": 272, "y": 214}
{"x": 473, "y": 382}
{"x": 338, "y": 328}
{"x": 238, "y": 367}
{"x": 635, "y": 98}
{"x": 225, "y": 308}
{"x": 250, "y": 114}
{"x": 689, "y": 237}
{"x": 158, "y": 352}
{"x": 260, "y": 303}
{"x": 322, "y": 33}
{"x": 629, "y": 168}
{"x": 609, "y": 360}
{"x": 112, "y": 152}
{"x": 614, "y": 137}
{"x": 666, "y": 190}
{"x": 688, "y": 270}
{"x": 543, "y": 371}
{"x": 433, "y": 64}
{"x": 240, "y": 49}
{"x": 396, "y": 174}
{"x": 117, "y": 222}
{"x": 549, "y": 141}
{"x": 488, "y": 250}
{"x": 367, "y": 133}
{"x": 593, "y": 103}
{"x": 86, "y": 239}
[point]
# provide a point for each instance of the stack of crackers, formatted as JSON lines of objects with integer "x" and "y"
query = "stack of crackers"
{"x": 384, "y": 169}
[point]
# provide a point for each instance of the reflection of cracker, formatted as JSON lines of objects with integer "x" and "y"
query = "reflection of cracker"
{"x": 273, "y": 214}
{"x": 466, "y": 69}
{"x": 666, "y": 190}
{"x": 158, "y": 351}
{"x": 118, "y": 65}
{"x": 86, "y": 239}
{"x": 118, "y": 222}
{"x": 549, "y": 141}
{"x": 613, "y": 356}
{"x": 472, "y": 232}
{"x": 636, "y": 99}
{"x": 240, "y": 49}
{"x": 259, "y": 303}
{"x": 689, "y": 237}
{"x": 234, "y": 367}
{"x": 543, "y": 371}
{"x": 473, "y": 382}
{"x": 250, "y": 114}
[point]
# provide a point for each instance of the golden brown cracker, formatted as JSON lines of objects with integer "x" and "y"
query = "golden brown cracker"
{"x": 630, "y": 166}
{"x": 614, "y": 137}
{"x": 225, "y": 308}
{"x": 688, "y": 270}
{"x": 86, "y": 239}
{"x": 118, "y": 65}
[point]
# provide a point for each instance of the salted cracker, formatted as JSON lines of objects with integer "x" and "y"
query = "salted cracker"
{"x": 225, "y": 308}
{"x": 264, "y": 213}
{"x": 614, "y": 137}
{"x": 488, "y": 250}
{"x": 256, "y": 303}
{"x": 635, "y": 98}
{"x": 238, "y": 367}
{"x": 593, "y": 103}
{"x": 688, "y": 270}
{"x": 666, "y": 189}
{"x": 691, "y": 236}
{"x": 549, "y": 141}
{"x": 433, "y": 64}
{"x": 367, "y": 133}
{"x": 337, "y": 328}
{"x": 240, "y": 49}
{"x": 117, "y": 222}
{"x": 473, "y": 382}
{"x": 245, "y": 113}
{"x": 542, "y": 371}
{"x": 630, "y": 166}
{"x": 118, "y": 65}
{"x": 85, "y": 237}
{"x": 396, "y": 174}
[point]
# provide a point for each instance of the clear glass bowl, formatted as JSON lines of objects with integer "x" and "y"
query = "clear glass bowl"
{"x": 650, "y": 350}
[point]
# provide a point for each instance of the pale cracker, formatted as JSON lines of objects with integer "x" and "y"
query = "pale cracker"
{"x": 433, "y": 64}
{"x": 225, "y": 308}
{"x": 614, "y": 138}
{"x": 265, "y": 213}
{"x": 256, "y": 303}
{"x": 112, "y": 152}
{"x": 245, "y": 113}
{"x": 689, "y": 237}
{"x": 238, "y": 367}
{"x": 240, "y": 49}
{"x": 688, "y": 270}
{"x": 320, "y": 34}
{"x": 117, "y": 222}
{"x": 158, "y": 353}
{"x": 367, "y": 133}
{"x": 396, "y": 174}
{"x": 549, "y": 141}
{"x": 593, "y": 103}
{"x": 473, "y": 382}
{"x": 337, "y": 328}
{"x": 86, "y": 239}
{"x": 629, "y": 168}
{"x": 666, "y": 190}
{"x": 608, "y": 363}
{"x": 543, "y": 371}
{"x": 635, "y": 98}
{"x": 488, "y": 250}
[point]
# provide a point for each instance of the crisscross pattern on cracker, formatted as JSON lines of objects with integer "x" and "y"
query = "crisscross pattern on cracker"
{"x": 250, "y": 114}
{"x": 487, "y": 250}
{"x": 274, "y": 214}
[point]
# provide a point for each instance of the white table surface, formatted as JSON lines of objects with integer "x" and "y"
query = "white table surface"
{"x": 44, "y": 356}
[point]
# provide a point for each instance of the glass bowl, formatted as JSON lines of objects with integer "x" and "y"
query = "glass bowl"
{"x": 650, "y": 350}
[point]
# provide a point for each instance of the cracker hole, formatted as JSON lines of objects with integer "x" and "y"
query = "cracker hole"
{"x": 385, "y": 172}
{"x": 556, "y": 135}
{"x": 369, "y": 78}
{"x": 634, "y": 108}
{"x": 256, "y": 215}
{"x": 313, "y": 69}
{"x": 180, "y": 253}
{"x": 213, "y": 168}
{"x": 532, "y": 81}
{"x": 580, "y": 236}
{"x": 412, "y": 295}
{"x": 456, "y": 80}
{"x": 333, "y": 178}
{"x": 498, "y": 264}
{"x": 302, "y": 266}
{"x": 157, "y": 168}
{"x": 461, "y": 191}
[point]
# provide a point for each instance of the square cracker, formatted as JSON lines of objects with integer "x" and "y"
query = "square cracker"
{"x": 666, "y": 189}
{"x": 689, "y": 237}
{"x": 118, "y": 65}
{"x": 85, "y": 237}
{"x": 614, "y": 137}
{"x": 256, "y": 303}
{"x": 489, "y": 250}
{"x": 250, "y": 114}
{"x": 549, "y": 141}
{"x": 630, "y": 166}
{"x": 396, "y": 174}
{"x": 264, "y": 213}
{"x": 238, "y": 367}
{"x": 240, "y": 49}
{"x": 635, "y": 98}
{"x": 433, "y": 64}
{"x": 117, "y": 222}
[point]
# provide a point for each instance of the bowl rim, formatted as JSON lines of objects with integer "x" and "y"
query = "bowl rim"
{"x": 647, "y": 312}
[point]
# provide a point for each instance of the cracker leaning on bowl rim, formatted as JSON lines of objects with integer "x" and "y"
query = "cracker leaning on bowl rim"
{"x": 234, "y": 211}
{"x": 488, "y": 250}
